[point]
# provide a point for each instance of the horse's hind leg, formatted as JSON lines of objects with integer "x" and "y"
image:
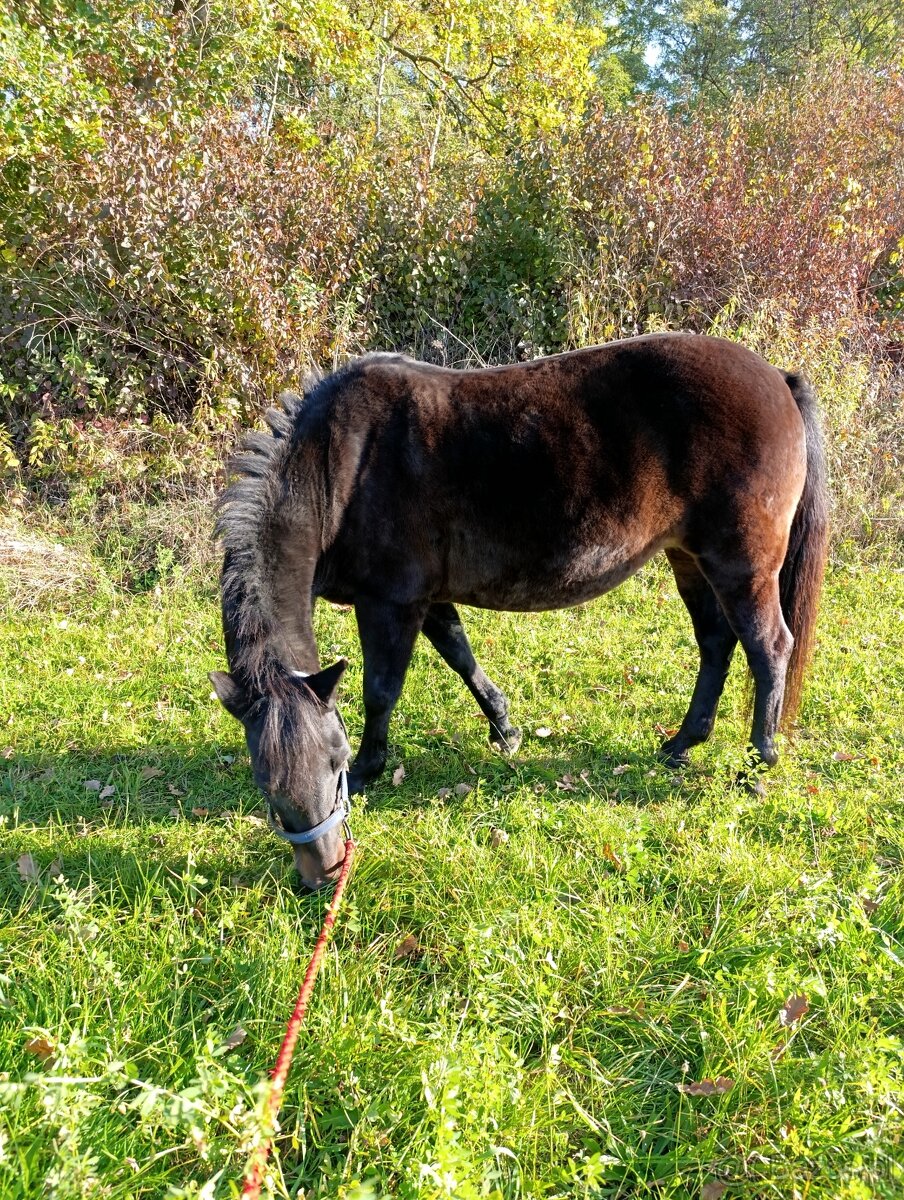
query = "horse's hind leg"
{"x": 750, "y": 600}
{"x": 716, "y": 641}
{"x": 388, "y": 633}
{"x": 443, "y": 627}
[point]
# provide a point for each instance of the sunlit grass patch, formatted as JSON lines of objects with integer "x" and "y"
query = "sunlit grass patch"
{"x": 538, "y": 960}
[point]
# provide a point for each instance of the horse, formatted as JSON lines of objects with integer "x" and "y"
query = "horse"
{"x": 404, "y": 489}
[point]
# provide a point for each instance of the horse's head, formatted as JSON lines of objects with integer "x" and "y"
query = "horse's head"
{"x": 299, "y": 752}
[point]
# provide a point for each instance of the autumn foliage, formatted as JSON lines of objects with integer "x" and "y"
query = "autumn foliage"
{"x": 172, "y": 261}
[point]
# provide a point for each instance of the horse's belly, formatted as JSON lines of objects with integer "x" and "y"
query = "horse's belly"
{"x": 535, "y": 586}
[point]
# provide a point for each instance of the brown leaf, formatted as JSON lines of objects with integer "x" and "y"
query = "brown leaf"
{"x": 444, "y": 792}
{"x": 408, "y": 947}
{"x": 200, "y": 812}
{"x": 173, "y": 790}
{"x": 157, "y": 839}
{"x": 713, "y": 1190}
{"x": 462, "y": 789}
{"x": 55, "y": 869}
{"x": 93, "y": 785}
{"x": 398, "y": 775}
{"x": 107, "y": 792}
{"x": 869, "y": 906}
{"x": 498, "y": 837}
{"x": 235, "y": 1038}
{"x": 42, "y": 1047}
{"x": 707, "y": 1087}
{"x": 842, "y": 756}
{"x": 794, "y": 1008}
{"x": 610, "y": 856}
{"x": 683, "y": 946}
{"x": 565, "y": 784}
{"x": 28, "y": 868}
{"x": 663, "y": 732}
{"x": 621, "y": 769}
{"x": 151, "y": 772}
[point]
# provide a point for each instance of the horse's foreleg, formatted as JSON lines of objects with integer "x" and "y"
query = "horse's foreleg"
{"x": 388, "y": 633}
{"x": 716, "y": 641}
{"x": 443, "y": 627}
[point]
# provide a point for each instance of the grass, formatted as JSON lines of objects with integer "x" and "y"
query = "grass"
{"x": 497, "y": 1017}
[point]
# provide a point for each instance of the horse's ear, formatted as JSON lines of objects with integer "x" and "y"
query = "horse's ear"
{"x": 325, "y": 682}
{"x": 231, "y": 695}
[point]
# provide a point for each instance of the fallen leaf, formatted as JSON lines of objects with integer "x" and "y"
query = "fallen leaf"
{"x": 444, "y": 792}
{"x": 498, "y": 837}
{"x": 46, "y": 776}
{"x": 842, "y": 756}
{"x": 93, "y": 785}
{"x": 173, "y": 790}
{"x": 55, "y": 869}
{"x": 151, "y": 772}
{"x": 107, "y": 792}
{"x": 812, "y": 789}
{"x": 713, "y": 1190}
{"x": 707, "y": 1087}
{"x": 200, "y": 812}
{"x": 157, "y": 839}
{"x": 28, "y": 868}
{"x": 683, "y": 946}
{"x": 663, "y": 732}
{"x": 543, "y": 732}
{"x": 408, "y": 947}
{"x": 869, "y": 906}
{"x": 621, "y": 770}
{"x": 398, "y": 775}
{"x": 235, "y": 1038}
{"x": 42, "y": 1047}
{"x": 610, "y": 856}
{"x": 565, "y": 784}
{"x": 794, "y": 1008}
{"x": 462, "y": 789}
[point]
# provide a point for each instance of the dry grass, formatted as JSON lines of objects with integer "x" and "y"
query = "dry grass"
{"x": 36, "y": 570}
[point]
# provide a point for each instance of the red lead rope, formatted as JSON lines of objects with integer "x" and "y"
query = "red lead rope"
{"x": 254, "y": 1173}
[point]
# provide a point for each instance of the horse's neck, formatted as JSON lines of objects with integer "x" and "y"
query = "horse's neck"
{"x": 272, "y": 620}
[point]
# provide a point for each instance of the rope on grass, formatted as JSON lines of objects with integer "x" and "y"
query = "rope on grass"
{"x": 254, "y": 1173}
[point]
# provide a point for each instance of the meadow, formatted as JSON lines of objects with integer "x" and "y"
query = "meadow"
{"x": 570, "y": 974}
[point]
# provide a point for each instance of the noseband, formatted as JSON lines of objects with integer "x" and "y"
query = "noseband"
{"x": 339, "y": 816}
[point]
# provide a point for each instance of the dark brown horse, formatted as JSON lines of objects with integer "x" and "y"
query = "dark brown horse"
{"x": 404, "y": 489}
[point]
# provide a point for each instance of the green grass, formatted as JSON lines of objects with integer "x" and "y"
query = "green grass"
{"x": 637, "y": 930}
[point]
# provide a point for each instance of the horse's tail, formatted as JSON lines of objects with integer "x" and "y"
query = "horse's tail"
{"x": 800, "y": 579}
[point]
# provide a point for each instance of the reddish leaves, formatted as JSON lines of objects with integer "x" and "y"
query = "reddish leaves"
{"x": 794, "y": 1008}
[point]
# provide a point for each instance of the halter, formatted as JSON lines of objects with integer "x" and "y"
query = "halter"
{"x": 339, "y": 816}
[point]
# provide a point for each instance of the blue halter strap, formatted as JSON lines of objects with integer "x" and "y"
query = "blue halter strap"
{"x": 339, "y": 816}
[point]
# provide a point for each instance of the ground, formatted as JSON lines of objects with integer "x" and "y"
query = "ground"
{"x": 537, "y": 961}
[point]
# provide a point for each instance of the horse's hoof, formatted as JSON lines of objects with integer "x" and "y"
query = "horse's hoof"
{"x": 356, "y": 784}
{"x": 507, "y": 742}
{"x": 752, "y": 784}
{"x": 673, "y": 756}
